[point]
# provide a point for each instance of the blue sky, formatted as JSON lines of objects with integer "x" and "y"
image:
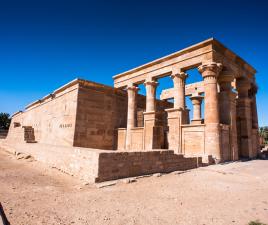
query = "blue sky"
{"x": 44, "y": 44}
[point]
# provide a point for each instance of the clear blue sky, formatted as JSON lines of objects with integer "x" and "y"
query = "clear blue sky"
{"x": 44, "y": 44}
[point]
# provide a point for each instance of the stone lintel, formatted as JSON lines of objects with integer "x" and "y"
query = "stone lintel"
{"x": 184, "y": 59}
{"x": 190, "y": 89}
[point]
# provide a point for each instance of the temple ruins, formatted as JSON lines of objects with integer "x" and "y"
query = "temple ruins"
{"x": 98, "y": 133}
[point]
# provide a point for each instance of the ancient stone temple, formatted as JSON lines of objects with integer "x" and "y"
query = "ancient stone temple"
{"x": 98, "y": 133}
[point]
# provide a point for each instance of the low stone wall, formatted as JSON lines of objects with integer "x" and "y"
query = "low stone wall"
{"x": 129, "y": 164}
{"x": 93, "y": 165}
{"x": 78, "y": 162}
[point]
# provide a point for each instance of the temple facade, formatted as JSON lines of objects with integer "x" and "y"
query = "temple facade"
{"x": 98, "y": 132}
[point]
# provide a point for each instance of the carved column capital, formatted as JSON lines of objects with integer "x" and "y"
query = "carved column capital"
{"x": 225, "y": 77}
{"x": 210, "y": 69}
{"x": 151, "y": 83}
{"x": 180, "y": 75}
{"x": 243, "y": 86}
{"x": 225, "y": 80}
{"x": 132, "y": 88}
{"x": 196, "y": 99}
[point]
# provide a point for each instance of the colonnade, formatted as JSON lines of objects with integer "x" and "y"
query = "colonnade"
{"x": 214, "y": 115}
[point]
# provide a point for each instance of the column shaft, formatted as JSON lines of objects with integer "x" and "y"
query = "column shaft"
{"x": 132, "y": 93}
{"x": 179, "y": 89}
{"x": 196, "y": 101}
{"x": 150, "y": 95}
{"x": 210, "y": 72}
{"x": 228, "y": 113}
{"x": 244, "y": 115}
{"x": 153, "y": 133}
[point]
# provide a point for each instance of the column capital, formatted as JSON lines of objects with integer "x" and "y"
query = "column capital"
{"x": 254, "y": 88}
{"x": 243, "y": 85}
{"x": 196, "y": 99}
{"x": 151, "y": 82}
{"x": 226, "y": 77}
{"x": 225, "y": 80}
{"x": 181, "y": 75}
{"x": 210, "y": 69}
{"x": 132, "y": 88}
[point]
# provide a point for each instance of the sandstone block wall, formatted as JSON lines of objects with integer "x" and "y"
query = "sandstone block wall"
{"x": 52, "y": 119}
{"x": 128, "y": 164}
{"x": 100, "y": 111}
{"x": 93, "y": 165}
{"x": 81, "y": 113}
{"x": 193, "y": 139}
{"x": 78, "y": 162}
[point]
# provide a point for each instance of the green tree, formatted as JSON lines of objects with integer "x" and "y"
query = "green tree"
{"x": 4, "y": 121}
{"x": 263, "y": 131}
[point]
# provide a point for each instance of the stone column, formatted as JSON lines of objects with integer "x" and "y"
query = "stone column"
{"x": 228, "y": 112}
{"x": 178, "y": 115}
{"x": 254, "y": 116}
{"x": 253, "y": 92}
{"x": 210, "y": 72}
{"x": 179, "y": 89}
{"x": 150, "y": 95}
{"x": 132, "y": 93}
{"x": 196, "y": 101}
{"x": 244, "y": 118}
{"x": 153, "y": 134}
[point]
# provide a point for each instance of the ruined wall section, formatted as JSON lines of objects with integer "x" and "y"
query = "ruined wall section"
{"x": 51, "y": 118}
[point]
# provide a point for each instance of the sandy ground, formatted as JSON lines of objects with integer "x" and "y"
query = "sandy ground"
{"x": 233, "y": 193}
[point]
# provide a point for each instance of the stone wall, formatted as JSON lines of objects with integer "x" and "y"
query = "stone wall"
{"x": 100, "y": 111}
{"x": 78, "y": 162}
{"x": 93, "y": 165}
{"x": 193, "y": 139}
{"x": 81, "y": 113}
{"x": 129, "y": 164}
{"x": 52, "y": 119}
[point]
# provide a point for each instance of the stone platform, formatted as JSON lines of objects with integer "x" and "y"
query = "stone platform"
{"x": 93, "y": 165}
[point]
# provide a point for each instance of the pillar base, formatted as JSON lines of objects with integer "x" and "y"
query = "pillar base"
{"x": 212, "y": 141}
{"x": 175, "y": 118}
{"x": 153, "y": 134}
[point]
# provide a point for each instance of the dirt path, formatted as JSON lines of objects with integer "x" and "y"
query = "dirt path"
{"x": 234, "y": 193}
